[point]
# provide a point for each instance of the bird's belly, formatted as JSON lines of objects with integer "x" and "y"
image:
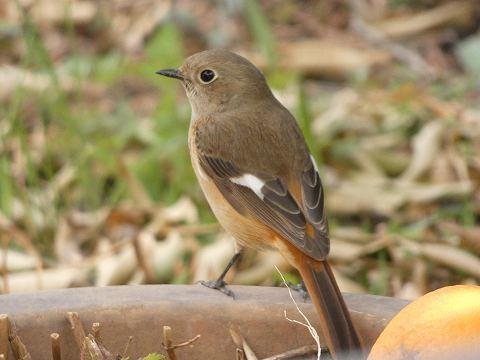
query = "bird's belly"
{"x": 247, "y": 231}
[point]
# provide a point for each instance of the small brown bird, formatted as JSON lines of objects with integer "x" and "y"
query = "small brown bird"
{"x": 260, "y": 179}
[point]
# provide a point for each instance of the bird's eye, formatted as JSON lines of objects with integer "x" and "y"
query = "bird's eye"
{"x": 207, "y": 76}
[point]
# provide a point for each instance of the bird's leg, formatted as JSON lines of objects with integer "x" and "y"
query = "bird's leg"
{"x": 220, "y": 284}
{"x": 300, "y": 288}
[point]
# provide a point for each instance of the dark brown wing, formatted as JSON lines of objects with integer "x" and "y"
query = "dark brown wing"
{"x": 303, "y": 226}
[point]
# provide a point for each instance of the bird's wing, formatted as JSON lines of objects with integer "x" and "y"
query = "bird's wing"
{"x": 265, "y": 197}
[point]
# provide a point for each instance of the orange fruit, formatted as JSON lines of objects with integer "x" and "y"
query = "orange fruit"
{"x": 443, "y": 324}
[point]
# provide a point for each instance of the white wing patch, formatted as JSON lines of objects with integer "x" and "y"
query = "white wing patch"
{"x": 250, "y": 181}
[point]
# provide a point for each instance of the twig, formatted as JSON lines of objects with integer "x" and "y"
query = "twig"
{"x": 137, "y": 190}
{"x": 4, "y": 266}
{"x": 398, "y": 51}
{"x": 301, "y": 351}
{"x": 186, "y": 229}
{"x": 143, "y": 260}
{"x": 186, "y": 343}
{"x": 242, "y": 344}
{"x": 170, "y": 347}
{"x": 307, "y": 324}
{"x": 167, "y": 342}
{"x": 19, "y": 349}
{"x": 91, "y": 348}
{"x": 77, "y": 329}
{"x": 125, "y": 351}
{"x": 56, "y": 350}
{"x": 24, "y": 241}
{"x": 4, "y": 332}
{"x": 98, "y": 340}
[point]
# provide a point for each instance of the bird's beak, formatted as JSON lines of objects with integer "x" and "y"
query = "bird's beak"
{"x": 173, "y": 73}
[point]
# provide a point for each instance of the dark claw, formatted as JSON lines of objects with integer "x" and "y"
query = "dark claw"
{"x": 300, "y": 288}
{"x": 219, "y": 285}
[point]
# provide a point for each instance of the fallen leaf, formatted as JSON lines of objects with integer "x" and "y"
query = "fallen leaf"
{"x": 425, "y": 148}
{"x": 414, "y": 24}
{"x": 447, "y": 255}
{"x": 57, "y": 278}
{"x": 324, "y": 57}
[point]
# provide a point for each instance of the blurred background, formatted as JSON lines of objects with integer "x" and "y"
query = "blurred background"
{"x": 96, "y": 186}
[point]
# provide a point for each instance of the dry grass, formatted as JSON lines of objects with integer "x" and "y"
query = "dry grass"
{"x": 94, "y": 170}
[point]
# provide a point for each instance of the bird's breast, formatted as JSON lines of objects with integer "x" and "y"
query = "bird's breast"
{"x": 246, "y": 230}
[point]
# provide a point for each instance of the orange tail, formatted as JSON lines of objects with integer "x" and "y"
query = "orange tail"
{"x": 336, "y": 324}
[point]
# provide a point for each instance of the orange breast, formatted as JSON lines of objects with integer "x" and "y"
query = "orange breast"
{"x": 247, "y": 231}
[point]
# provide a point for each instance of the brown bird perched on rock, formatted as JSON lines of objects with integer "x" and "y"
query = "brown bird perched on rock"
{"x": 260, "y": 179}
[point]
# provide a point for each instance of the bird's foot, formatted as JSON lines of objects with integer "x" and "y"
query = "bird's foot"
{"x": 299, "y": 288}
{"x": 219, "y": 285}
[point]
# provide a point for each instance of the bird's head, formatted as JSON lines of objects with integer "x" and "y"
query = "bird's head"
{"x": 219, "y": 80}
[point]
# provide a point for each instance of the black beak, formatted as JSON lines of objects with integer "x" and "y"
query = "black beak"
{"x": 173, "y": 73}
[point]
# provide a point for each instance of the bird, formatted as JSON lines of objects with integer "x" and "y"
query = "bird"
{"x": 260, "y": 179}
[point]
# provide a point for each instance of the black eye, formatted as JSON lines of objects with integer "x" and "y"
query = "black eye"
{"x": 207, "y": 75}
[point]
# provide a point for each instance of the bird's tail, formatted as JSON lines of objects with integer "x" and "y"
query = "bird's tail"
{"x": 336, "y": 325}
